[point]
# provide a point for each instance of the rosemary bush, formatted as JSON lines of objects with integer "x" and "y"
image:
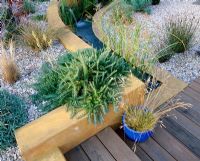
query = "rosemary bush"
{"x": 87, "y": 82}
{"x": 13, "y": 115}
{"x": 140, "y": 5}
{"x": 179, "y": 37}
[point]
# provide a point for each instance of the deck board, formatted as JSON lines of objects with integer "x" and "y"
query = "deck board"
{"x": 76, "y": 154}
{"x": 96, "y": 151}
{"x": 119, "y": 150}
{"x": 183, "y": 136}
{"x": 168, "y": 141}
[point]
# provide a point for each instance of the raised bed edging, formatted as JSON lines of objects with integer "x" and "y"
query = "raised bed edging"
{"x": 69, "y": 40}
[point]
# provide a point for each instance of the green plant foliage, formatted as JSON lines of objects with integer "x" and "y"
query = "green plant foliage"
{"x": 13, "y": 115}
{"x": 73, "y": 10}
{"x": 122, "y": 14}
{"x": 140, "y": 5}
{"x": 155, "y": 2}
{"x": 8, "y": 21}
{"x": 133, "y": 46}
{"x": 39, "y": 18}
{"x": 28, "y": 6}
{"x": 87, "y": 82}
{"x": 180, "y": 34}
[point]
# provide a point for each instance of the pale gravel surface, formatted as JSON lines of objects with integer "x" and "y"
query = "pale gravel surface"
{"x": 185, "y": 66}
{"x": 29, "y": 63}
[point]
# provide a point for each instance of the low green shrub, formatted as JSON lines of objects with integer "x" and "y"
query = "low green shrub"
{"x": 28, "y": 6}
{"x": 140, "y": 5}
{"x": 13, "y": 115}
{"x": 87, "y": 82}
{"x": 179, "y": 36}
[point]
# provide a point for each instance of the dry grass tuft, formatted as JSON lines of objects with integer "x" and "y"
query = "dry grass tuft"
{"x": 37, "y": 37}
{"x": 146, "y": 116}
{"x": 9, "y": 69}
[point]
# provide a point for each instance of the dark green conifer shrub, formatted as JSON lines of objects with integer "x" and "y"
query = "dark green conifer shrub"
{"x": 87, "y": 82}
{"x": 13, "y": 115}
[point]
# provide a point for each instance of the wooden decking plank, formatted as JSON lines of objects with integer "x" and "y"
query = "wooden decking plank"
{"x": 139, "y": 152}
{"x": 142, "y": 154}
{"x": 173, "y": 146}
{"x": 183, "y": 135}
{"x": 195, "y": 86}
{"x": 189, "y": 91}
{"x": 192, "y": 113}
{"x": 155, "y": 151}
{"x": 118, "y": 148}
{"x": 76, "y": 154}
{"x": 186, "y": 123}
{"x": 96, "y": 151}
{"x": 197, "y": 80}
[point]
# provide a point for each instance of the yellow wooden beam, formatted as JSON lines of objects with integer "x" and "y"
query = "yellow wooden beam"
{"x": 52, "y": 155}
{"x": 69, "y": 40}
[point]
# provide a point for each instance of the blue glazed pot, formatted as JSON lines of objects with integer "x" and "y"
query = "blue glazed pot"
{"x": 135, "y": 135}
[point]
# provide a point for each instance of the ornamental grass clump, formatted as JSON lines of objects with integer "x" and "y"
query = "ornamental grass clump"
{"x": 179, "y": 35}
{"x": 9, "y": 70}
{"x": 13, "y": 115}
{"x": 134, "y": 47}
{"x": 122, "y": 14}
{"x": 145, "y": 117}
{"x": 140, "y": 5}
{"x": 86, "y": 82}
{"x": 37, "y": 37}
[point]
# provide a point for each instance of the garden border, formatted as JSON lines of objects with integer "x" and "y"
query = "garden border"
{"x": 50, "y": 133}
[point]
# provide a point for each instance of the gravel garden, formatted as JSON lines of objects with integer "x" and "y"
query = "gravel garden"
{"x": 37, "y": 74}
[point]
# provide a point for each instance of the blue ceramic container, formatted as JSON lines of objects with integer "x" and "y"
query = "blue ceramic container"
{"x": 135, "y": 135}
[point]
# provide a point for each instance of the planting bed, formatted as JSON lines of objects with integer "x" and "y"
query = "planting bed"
{"x": 29, "y": 63}
{"x": 184, "y": 66}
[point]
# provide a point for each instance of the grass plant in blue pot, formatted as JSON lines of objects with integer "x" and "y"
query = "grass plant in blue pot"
{"x": 140, "y": 121}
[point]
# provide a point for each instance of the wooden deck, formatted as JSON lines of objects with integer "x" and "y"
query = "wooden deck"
{"x": 180, "y": 140}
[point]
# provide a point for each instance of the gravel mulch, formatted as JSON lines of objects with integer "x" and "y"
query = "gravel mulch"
{"x": 29, "y": 63}
{"x": 184, "y": 66}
